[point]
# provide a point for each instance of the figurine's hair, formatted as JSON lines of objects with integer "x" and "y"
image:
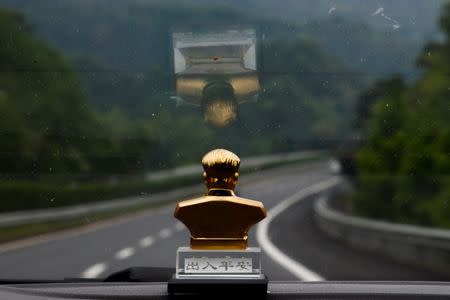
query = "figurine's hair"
{"x": 220, "y": 157}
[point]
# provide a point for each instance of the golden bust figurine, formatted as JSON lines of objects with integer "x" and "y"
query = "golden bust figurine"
{"x": 220, "y": 220}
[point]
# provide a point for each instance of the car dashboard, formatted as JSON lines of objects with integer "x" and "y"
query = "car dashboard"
{"x": 276, "y": 290}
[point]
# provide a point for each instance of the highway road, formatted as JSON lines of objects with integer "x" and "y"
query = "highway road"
{"x": 293, "y": 247}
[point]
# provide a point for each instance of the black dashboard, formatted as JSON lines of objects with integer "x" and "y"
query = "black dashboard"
{"x": 276, "y": 290}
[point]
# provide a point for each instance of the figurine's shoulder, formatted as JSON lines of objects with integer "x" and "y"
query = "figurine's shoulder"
{"x": 248, "y": 202}
{"x": 194, "y": 201}
{"x": 234, "y": 199}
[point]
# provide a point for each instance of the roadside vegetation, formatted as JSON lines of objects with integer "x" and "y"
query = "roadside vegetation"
{"x": 403, "y": 166}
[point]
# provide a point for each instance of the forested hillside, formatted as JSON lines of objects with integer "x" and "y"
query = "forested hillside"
{"x": 44, "y": 111}
{"x": 47, "y": 122}
{"x": 123, "y": 60}
{"x": 120, "y": 54}
{"x": 404, "y": 167}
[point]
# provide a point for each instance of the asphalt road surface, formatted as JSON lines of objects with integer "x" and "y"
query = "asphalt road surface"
{"x": 151, "y": 239}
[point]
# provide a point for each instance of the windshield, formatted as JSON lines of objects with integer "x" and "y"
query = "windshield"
{"x": 339, "y": 111}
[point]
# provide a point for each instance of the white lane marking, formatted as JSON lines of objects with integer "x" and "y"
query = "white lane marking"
{"x": 94, "y": 271}
{"x": 165, "y": 233}
{"x": 146, "y": 241}
{"x": 179, "y": 226}
{"x": 262, "y": 232}
{"x": 124, "y": 253}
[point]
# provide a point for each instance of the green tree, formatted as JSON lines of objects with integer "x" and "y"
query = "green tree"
{"x": 48, "y": 124}
{"x": 404, "y": 168}
{"x": 44, "y": 111}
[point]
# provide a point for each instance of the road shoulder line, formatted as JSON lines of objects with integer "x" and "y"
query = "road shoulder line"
{"x": 262, "y": 231}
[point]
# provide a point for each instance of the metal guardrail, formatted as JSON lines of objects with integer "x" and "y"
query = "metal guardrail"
{"x": 246, "y": 164}
{"x": 415, "y": 245}
{"x": 53, "y": 214}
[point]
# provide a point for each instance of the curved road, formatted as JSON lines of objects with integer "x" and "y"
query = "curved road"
{"x": 151, "y": 239}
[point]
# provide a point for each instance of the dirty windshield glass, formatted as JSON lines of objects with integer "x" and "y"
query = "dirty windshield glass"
{"x": 339, "y": 111}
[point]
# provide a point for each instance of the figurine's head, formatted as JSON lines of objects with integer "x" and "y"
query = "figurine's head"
{"x": 221, "y": 169}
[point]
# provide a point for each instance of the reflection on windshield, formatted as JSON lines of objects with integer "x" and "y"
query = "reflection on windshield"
{"x": 219, "y": 112}
{"x": 216, "y": 70}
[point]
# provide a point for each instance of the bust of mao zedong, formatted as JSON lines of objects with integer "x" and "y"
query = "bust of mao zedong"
{"x": 220, "y": 219}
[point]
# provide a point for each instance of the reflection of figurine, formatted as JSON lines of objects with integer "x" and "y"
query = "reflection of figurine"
{"x": 219, "y": 104}
{"x": 216, "y": 70}
{"x": 220, "y": 220}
